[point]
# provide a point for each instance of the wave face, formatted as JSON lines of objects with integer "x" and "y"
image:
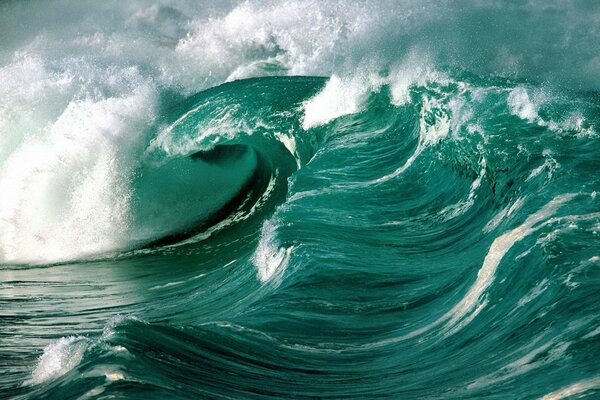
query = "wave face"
{"x": 299, "y": 199}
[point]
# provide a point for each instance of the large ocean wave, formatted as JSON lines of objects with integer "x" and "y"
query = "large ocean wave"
{"x": 299, "y": 200}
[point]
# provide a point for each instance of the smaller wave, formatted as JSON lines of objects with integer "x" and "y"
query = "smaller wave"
{"x": 67, "y": 353}
{"x": 59, "y": 358}
{"x": 348, "y": 94}
{"x": 270, "y": 258}
{"x": 578, "y": 388}
{"x": 500, "y": 246}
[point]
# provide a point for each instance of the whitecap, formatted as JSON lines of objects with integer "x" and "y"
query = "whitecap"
{"x": 270, "y": 258}
{"x": 59, "y": 358}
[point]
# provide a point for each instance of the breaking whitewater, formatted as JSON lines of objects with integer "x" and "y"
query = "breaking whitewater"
{"x": 298, "y": 199}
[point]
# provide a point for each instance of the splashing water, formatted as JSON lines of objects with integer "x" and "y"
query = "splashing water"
{"x": 274, "y": 199}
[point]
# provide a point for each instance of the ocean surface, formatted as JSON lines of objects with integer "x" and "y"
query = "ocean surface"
{"x": 299, "y": 199}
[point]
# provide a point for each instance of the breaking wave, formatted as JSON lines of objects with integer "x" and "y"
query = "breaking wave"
{"x": 299, "y": 199}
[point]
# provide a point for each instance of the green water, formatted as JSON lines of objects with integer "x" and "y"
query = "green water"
{"x": 349, "y": 236}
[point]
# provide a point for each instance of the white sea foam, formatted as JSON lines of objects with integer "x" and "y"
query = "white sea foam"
{"x": 344, "y": 95}
{"x": 66, "y": 353}
{"x": 525, "y": 363}
{"x": 290, "y": 37}
{"x": 59, "y": 358}
{"x": 65, "y": 192}
{"x": 339, "y": 97}
{"x": 31, "y": 96}
{"x": 550, "y": 165}
{"x": 575, "y": 122}
{"x": 289, "y": 141}
{"x": 416, "y": 69}
{"x": 505, "y": 212}
{"x": 270, "y": 258}
{"x": 523, "y": 105}
{"x": 500, "y": 246}
{"x": 474, "y": 301}
{"x": 224, "y": 125}
{"x": 574, "y": 389}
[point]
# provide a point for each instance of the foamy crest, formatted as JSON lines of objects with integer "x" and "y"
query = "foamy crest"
{"x": 526, "y": 102}
{"x": 65, "y": 192}
{"x": 339, "y": 97}
{"x": 522, "y": 105}
{"x": 270, "y": 258}
{"x": 434, "y": 125}
{"x": 31, "y": 96}
{"x": 189, "y": 133}
{"x": 344, "y": 95}
{"x": 415, "y": 70}
{"x": 66, "y": 353}
{"x": 59, "y": 358}
{"x": 574, "y": 122}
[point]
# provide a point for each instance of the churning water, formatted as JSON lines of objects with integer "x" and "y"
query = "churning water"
{"x": 299, "y": 199}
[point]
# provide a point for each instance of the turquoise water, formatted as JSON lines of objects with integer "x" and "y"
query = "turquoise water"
{"x": 299, "y": 200}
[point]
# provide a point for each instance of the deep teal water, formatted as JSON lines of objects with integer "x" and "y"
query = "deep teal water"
{"x": 382, "y": 234}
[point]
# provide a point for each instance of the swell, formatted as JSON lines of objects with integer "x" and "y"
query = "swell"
{"x": 405, "y": 228}
{"x": 380, "y": 239}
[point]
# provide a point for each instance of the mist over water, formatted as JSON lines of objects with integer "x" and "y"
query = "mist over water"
{"x": 299, "y": 199}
